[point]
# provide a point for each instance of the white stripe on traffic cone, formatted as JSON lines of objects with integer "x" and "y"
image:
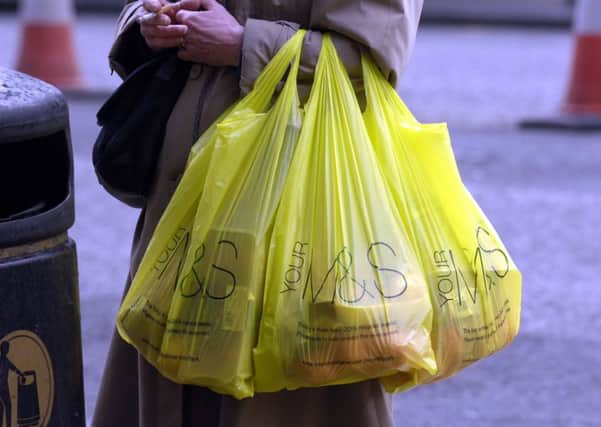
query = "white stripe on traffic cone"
{"x": 47, "y": 50}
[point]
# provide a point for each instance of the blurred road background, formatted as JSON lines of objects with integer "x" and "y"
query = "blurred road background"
{"x": 541, "y": 189}
{"x": 512, "y": 11}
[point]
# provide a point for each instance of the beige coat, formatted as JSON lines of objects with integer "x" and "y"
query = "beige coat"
{"x": 132, "y": 392}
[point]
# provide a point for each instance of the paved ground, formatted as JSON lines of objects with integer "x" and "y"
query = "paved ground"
{"x": 540, "y": 189}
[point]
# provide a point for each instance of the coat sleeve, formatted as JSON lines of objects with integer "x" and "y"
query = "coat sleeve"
{"x": 129, "y": 49}
{"x": 385, "y": 28}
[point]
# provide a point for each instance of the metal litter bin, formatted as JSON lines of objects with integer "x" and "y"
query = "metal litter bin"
{"x": 40, "y": 328}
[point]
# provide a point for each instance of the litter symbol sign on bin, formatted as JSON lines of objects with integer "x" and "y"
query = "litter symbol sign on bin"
{"x": 28, "y": 414}
{"x": 26, "y": 381}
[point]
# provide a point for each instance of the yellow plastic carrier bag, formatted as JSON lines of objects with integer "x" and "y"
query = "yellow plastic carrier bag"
{"x": 474, "y": 285}
{"x": 193, "y": 307}
{"x": 345, "y": 297}
{"x": 319, "y": 247}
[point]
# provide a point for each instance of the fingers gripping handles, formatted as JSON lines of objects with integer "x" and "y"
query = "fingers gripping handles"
{"x": 288, "y": 58}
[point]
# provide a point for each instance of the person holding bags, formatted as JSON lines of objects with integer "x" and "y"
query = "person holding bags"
{"x": 229, "y": 44}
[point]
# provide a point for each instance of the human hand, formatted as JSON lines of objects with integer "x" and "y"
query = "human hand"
{"x": 214, "y": 36}
{"x": 161, "y": 32}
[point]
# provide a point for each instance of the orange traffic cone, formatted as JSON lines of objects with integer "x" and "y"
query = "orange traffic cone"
{"x": 582, "y": 105}
{"x": 47, "y": 50}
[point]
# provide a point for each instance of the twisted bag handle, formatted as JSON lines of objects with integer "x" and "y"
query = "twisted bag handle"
{"x": 265, "y": 86}
{"x": 259, "y": 98}
{"x": 377, "y": 88}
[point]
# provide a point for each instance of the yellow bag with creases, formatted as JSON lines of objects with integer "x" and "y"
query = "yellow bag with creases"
{"x": 345, "y": 297}
{"x": 474, "y": 285}
{"x": 193, "y": 307}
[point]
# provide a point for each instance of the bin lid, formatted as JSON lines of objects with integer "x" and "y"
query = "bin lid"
{"x": 29, "y": 107}
{"x": 32, "y": 110}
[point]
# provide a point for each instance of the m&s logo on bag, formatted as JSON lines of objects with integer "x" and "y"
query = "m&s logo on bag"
{"x": 345, "y": 279}
{"x": 217, "y": 265}
{"x": 461, "y": 284}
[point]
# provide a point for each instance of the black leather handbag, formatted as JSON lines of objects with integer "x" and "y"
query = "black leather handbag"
{"x": 133, "y": 122}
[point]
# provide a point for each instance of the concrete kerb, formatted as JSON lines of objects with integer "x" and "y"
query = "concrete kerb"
{"x": 564, "y": 122}
{"x": 99, "y": 94}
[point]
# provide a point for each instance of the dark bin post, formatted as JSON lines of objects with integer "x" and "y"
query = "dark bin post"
{"x": 40, "y": 328}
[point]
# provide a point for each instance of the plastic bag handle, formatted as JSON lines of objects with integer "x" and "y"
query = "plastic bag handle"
{"x": 328, "y": 65}
{"x": 378, "y": 88}
{"x": 267, "y": 82}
